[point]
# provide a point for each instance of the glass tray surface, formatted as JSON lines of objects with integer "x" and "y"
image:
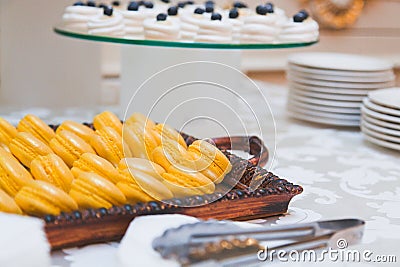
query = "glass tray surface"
{"x": 98, "y": 38}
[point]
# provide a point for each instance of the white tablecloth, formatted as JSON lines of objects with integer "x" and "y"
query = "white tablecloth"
{"x": 342, "y": 175}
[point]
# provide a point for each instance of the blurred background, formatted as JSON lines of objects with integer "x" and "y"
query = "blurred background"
{"x": 41, "y": 68}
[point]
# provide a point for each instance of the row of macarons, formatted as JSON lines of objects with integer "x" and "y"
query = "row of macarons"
{"x": 188, "y": 21}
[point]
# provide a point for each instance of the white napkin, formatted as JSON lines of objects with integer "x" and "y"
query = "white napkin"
{"x": 23, "y": 242}
{"x": 135, "y": 248}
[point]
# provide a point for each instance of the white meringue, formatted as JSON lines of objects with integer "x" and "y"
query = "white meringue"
{"x": 133, "y": 21}
{"x": 76, "y": 17}
{"x": 161, "y": 30}
{"x": 214, "y": 31}
{"x": 190, "y": 23}
{"x": 259, "y": 29}
{"x": 107, "y": 25}
{"x": 294, "y": 32}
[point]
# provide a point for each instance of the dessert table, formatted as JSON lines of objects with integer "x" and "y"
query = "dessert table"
{"x": 343, "y": 176}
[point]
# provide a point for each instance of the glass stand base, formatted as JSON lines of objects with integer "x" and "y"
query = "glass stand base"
{"x": 189, "y": 88}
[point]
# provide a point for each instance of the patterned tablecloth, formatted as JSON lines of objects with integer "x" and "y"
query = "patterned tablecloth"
{"x": 343, "y": 176}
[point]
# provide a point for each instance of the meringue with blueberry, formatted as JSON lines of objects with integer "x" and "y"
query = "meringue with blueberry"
{"x": 110, "y": 24}
{"x": 77, "y": 16}
{"x": 300, "y": 28}
{"x": 161, "y": 28}
{"x": 214, "y": 30}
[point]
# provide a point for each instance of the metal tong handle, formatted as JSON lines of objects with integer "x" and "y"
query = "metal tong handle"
{"x": 291, "y": 232}
{"x": 249, "y": 254}
{"x": 300, "y": 231}
{"x": 308, "y": 237}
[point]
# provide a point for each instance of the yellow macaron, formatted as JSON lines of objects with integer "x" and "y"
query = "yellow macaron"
{"x": 140, "y": 140}
{"x": 26, "y": 147}
{"x": 40, "y": 198}
{"x": 79, "y": 129}
{"x": 189, "y": 180}
{"x": 132, "y": 191}
{"x": 7, "y": 204}
{"x": 108, "y": 144}
{"x": 90, "y": 190}
{"x": 165, "y": 131}
{"x": 202, "y": 147}
{"x": 140, "y": 118}
{"x": 89, "y": 162}
{"x": 13, "y": 176}
{"x": 7, "y": 132}
{"x": 107, "y": 119}
{"x": 51, "y": 168}
{"x": 34, "y": 125}
{"x": 69, "y": 146}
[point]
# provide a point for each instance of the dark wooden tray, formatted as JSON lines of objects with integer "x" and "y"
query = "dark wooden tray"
{"x": 271, "y": 197}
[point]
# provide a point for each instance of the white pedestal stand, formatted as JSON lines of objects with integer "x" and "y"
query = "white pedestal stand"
{"x": 183, "y": 88}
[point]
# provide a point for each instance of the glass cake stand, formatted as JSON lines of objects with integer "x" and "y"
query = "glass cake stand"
{"x": 153, "y": 67}
{"x": 63, "y": 31}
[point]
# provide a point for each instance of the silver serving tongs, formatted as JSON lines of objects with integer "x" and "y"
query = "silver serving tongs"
{"x": 224, "y": 243}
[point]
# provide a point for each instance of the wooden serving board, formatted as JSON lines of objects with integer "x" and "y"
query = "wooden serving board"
{"x": 271, "y": 197}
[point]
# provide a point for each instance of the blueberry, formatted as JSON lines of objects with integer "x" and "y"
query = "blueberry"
{"x": 269, "y": 4}
{"x": 91, "y": 3}
{"x": 166, "y": 1}
{"x": 209, "y": 9}
{"x": 133, "y": 6}
{"x": 141, "y": 3}
{"x": 162, "y": 17}
{"x": 199, "y": 10}
{"x": 148, "y": 4}
{"x": 189, "y": 2}
{"x": 233, "y": 13}
{"x": 300, "y": 17}
{"x": 127, "y": 207}
{"x": 173, "y": 11}
{"x": 209, "y": 2}
{"x": 116, "y": 3}
{"x": 102, "y": 5}
{"x": 261, "y": 10}
{"x": 270, "y": 8}
{"x": 239, "y": 4}
{"x": 216, "y": 16}
{"x": 305, "y": 13}
{"x": 181, "y": 4}
{"x": 79, "y": 3}
{"x": 108, "y": 11}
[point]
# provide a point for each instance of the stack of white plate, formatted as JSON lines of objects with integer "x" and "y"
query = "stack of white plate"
{"x": 328, "y": 88}
{"x": 380, "y": 120}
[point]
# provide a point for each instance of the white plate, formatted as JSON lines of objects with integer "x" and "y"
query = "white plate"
{"x": 331, "y": 103}
{"x": 380, "y": 116}
{"x": 382, "y": 143}
{"x": 323, "y": 120}
{"x": 340, "y": 84}
{"x": 343, "y": 111}
{"x": 330, "y": 90}
{"x": 379, "y": 129}
{"x": 338, "y": 78}
{"x": 340, "y": 72}
{"x": 338, "y": 61}
{"x": 327, "y": 96}
{"x": 377, "y": 108}
{"x": 382, "y": 136}
{"x": 385, "y": 124}
{"x": 386, "y": 97}
{"x": 323, "y": 114}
